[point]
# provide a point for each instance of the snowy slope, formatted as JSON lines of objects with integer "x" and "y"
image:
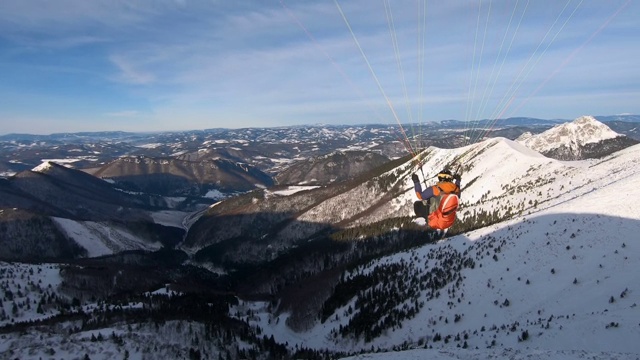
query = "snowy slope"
{"x": 24, "y": 286}
{"x": 496, "y": 174}
{"x": 510, "y": 354}
{"x": 566, "y": 261}
{"x": 499, "y": 174}
{"x": 103, "y": 239}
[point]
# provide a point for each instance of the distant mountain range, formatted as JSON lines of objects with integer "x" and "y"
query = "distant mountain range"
{"x": 267, "y": 149}
{"x": 271, "y": 134}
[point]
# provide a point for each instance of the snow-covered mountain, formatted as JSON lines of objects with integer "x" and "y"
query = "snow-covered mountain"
{"x": 583, "y": 138}
{"x": 54, "y": 212}
{"x": 542, "y": 264}
{"x": 583, "y": 130}
{"x": 552, "y": 273}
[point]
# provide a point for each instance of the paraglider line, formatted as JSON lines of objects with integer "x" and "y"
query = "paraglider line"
{"x": 355, "y": 39}
{"x": 573, "y": 54}
{"x": 331, "y": 59}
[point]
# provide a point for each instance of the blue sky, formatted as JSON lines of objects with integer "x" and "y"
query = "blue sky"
{"x": 152, "y": 65}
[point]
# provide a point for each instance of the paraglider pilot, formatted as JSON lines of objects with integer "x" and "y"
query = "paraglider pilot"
{"x": 438, "y": 203}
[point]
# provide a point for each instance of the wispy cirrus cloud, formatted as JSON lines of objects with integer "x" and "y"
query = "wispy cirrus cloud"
{"x": 128, "y": 73}
{"x": 123, "y": 113}
{"x": 62, "y": 42}
{"x": 252, "y": 60}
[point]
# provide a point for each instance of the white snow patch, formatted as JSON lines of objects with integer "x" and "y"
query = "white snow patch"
{"x": 43, "y": 167}
{"x": 172, "y": 218}
{"x": 165, "y": 291}
{"x": 292, "y": 190}
{"x": 149, "y": 146}
{"x": 215, "y": 194}
{"x": 103, "y": 239}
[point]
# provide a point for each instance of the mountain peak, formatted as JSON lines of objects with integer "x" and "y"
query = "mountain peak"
{"x": 44, "y": 167}
{"x": 588, "y": 129}
{"x": 571, "y": 136}
{"x": 53, "y": 168}
{"x": 586, "y": 119}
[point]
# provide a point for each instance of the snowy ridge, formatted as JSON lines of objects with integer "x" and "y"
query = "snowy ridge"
{"x": 561, "y": 270}
{"x": 583, "y": 130}
{"x": 501, "y": 174}
{"x": 495, "y": 175}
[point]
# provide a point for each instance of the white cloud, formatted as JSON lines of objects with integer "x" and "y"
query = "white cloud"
{"x": 123, "y": 113}
{"x": 252, "y": 58}
{"x": 128, "y": 72}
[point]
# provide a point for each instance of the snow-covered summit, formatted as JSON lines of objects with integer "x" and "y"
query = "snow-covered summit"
{"x": 49, "y": 165}
{"x": 44, "y": 167}
{"x": 574, "y": 135}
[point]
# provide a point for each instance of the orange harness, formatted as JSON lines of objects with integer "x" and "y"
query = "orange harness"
{"x": 445, "y": 214}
